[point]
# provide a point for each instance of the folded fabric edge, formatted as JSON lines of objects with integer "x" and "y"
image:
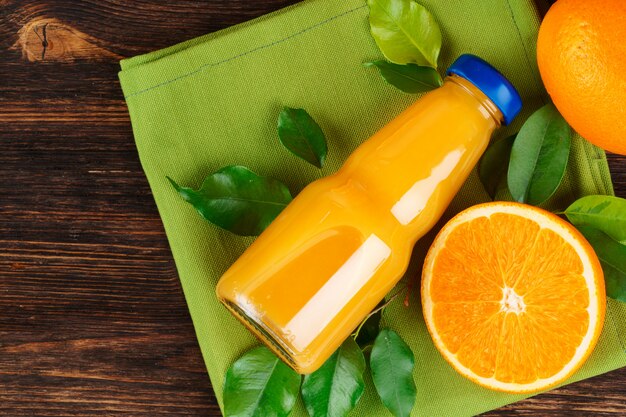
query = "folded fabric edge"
{"x": 137, "y": 80}
{"x": 599, "y": 167}
{"x": 138, "y": 60}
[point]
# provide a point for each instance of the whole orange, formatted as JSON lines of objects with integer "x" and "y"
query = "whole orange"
{"x": 581, "y": 52}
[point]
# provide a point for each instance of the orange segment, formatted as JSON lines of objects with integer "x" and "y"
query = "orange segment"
{"x": 511, "y": 257}
{"x": 551, "y": 256}
{"x": 513, "y": 296}
{"x": 457, "y": 321}
{"x": 464, "y": 252}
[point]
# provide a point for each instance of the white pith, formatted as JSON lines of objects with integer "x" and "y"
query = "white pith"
{"x": 513, "y": 303}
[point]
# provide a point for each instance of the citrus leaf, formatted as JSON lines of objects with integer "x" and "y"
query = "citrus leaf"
{"x": 238, "y": 200}
{"x": 258, "y": 385}
{"x": 612, "y": 255}
{"x": 405, "y": 32}
{"x": 409, "y": 78}
{"x": 335, "y": 388}
{"x": 606, "y": 213}
{"x": 302, "y": 136}
{"x": 392, "y": 364}
{"x": 494, "y": 163}
{"x": 539, "y": 156}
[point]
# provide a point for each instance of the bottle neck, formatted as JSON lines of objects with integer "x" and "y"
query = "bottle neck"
{"x": 487, "y": 106}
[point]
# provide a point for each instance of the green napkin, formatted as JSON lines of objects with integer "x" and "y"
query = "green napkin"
{"x": 214, "y": 101}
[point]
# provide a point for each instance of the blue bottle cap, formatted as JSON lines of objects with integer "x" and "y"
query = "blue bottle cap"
{"x": 489, "y": 80}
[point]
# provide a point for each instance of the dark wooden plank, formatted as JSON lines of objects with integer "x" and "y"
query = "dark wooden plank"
{"x": 92, "y": 316}
{"x": 617, "y": 164}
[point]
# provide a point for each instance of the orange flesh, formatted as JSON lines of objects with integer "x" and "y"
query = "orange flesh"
{"x": 506, "y": 308}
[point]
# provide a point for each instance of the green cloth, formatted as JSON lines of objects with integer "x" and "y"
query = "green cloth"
{"x": 214, "y": 101}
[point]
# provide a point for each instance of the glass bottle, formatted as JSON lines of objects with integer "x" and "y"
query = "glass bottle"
{"x": 342, "y": 244}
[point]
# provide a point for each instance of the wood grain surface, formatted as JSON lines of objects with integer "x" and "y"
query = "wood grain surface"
{"x": 93, "y": 321}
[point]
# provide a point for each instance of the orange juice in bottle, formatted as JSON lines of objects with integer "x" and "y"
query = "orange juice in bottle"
{"x": 342, "y": 244}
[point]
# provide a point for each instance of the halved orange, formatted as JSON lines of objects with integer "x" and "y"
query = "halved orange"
{"x": 513, "y": 296}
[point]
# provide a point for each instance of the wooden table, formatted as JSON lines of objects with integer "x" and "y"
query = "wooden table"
{"x": 92, "y": 316}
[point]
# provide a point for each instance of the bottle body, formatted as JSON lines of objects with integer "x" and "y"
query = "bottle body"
{"x": 325, "y": 262}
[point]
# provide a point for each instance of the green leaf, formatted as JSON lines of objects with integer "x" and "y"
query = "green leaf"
{"x": 612, "y": 256}
{"x": 259, "y": 385}
{"x": 409, "y": 78}
{"x": 606, "y": 213}
{"x": 539, "y": 156}
{"x": 370, "y": 329}
{"x": 335, "y": 388}
{"x": 299, "y": 133}
{"x": 236, "y": 199}
{"x": 405, "y": 32}
{"x": 494, "y": 163}
{"x": 392, "y": 371}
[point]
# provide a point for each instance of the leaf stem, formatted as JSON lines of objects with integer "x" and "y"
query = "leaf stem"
{"x": 393, "y": 297}
{"x": 367, "y": 347}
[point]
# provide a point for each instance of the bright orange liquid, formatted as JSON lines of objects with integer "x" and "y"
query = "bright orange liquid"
{"x": 325, "y": 262}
